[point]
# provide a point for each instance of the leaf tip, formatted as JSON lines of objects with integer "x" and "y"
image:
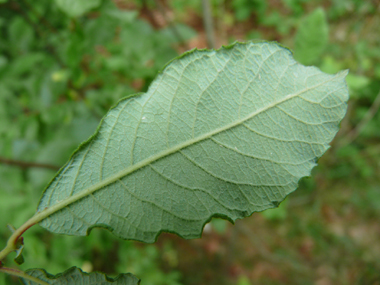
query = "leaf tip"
{"x": 343, "y": 73}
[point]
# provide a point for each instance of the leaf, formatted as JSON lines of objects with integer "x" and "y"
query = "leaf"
{"x": 76, "y": 8}
{"x": 74, "y": 276}
{"x": 312, "y": 37}
{"x": 123, "y": 16}
{"x": 218, "y": 134}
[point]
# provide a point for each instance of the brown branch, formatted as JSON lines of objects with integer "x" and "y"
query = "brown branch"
{"x": 24, "y": 164}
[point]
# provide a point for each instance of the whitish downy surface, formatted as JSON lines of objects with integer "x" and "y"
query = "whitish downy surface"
{"x": 219, "y": 133}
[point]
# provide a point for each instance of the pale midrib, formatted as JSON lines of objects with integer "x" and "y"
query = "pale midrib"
{"x": 39, "y": 216}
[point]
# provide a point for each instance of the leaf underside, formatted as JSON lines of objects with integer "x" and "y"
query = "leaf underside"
{"x": 75, "y": 276}
{"x": 219, "y": 133}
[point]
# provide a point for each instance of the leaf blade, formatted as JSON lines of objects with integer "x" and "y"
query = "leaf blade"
{"x": 312, "y": 37}
{"x": 196, "y": 124}
{"x": 76, "y": 8}
{"x": 76, "y": 276}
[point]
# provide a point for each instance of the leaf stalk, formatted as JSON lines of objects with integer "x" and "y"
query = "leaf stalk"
{"x": 12, "y": 241}
{"x": 22, "y": 274}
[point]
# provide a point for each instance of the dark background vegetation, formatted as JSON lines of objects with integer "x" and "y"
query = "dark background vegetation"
{"x": 64, "y": 63}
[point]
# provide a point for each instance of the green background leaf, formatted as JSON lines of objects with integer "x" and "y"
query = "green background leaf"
{"x": 76, "y": 8}
{"x": 75, "y": 276}
{"x": 312, "y": 37}
{"x": 219, "y": 133}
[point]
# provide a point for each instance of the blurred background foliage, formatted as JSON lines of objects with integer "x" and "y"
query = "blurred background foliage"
{"x": 64, "y": 63}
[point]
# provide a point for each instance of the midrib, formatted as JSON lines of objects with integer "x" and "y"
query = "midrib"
{"x": 39, "y": 216}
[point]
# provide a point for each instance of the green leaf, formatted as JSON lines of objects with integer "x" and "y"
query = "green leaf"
{"x": 218, "y": 134}
{"x": 76, "y": 8}
{"x": 74, "y": 276}
{"x": 311, "y": 37}
{"x": 357, "y": 82}
{"x": 186, "y": 33}
{"x": 123, "y": 16}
